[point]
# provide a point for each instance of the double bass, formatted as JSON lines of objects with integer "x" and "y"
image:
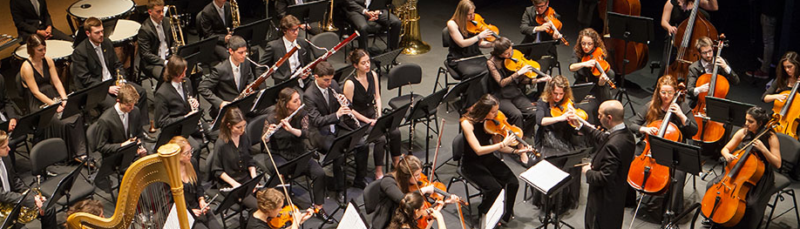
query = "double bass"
{"x": 718, "y": 87}
{"x": 636, "y": 53}
{"x": 790, "y": 117}
{"x": 689, "y": 31}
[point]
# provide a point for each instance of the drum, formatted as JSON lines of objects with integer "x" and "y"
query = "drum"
{"x": 56, "y": 49}
{"x": 125, "y": 31}
{"x": 101, "y": 9}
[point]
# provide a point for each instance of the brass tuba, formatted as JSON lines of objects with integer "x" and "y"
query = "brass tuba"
{"x": 235, "y": 18}
{"x": 175, "y": 26}
{"x": 412, "y": 43}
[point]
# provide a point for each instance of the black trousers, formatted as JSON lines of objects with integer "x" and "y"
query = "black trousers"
{"x": 324, "y": 142}
{"x": 315, "y": 172}
{"x": 491, "y": 176}
{"x": 517, "y": 110}
{"x": 385, "y": 20}
{"x": 379, "y": 149}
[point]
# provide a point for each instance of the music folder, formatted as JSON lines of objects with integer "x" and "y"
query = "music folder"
{"x": 352, "y": 218}
{"x": 548, "y": 184}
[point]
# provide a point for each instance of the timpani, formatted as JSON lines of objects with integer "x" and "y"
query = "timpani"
{"x": 57, "y": 50}
{"x": 101, "y": 9}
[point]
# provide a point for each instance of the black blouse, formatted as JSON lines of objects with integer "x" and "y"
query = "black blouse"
{"x": 678, "y": 15}
{"x": 688, "y": 130}
{"x": 284, "y": 143}
{"x": 364, "y": 97}
{"x": 232, "y": 160}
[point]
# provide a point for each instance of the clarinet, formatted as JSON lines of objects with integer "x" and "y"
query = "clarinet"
{"x": 280, "y": 124}
{"x": 345, "y": 103}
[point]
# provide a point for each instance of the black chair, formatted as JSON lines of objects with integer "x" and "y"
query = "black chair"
{"x": 342, "y": 74}
{"x": 324, "y": 40}
{"x": 49, "y": 152}
{"x": 790, "y": 153}
{"x": 385, "y": 61}
{"x": 790, "y": 156}
{"x": 446, "y": 70}
{"x": 254, "y": 130}
{"x": 459, "y": 145}
{"x": 402, "y": 75}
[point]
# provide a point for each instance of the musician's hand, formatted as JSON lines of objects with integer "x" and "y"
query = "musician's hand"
{"x": 525, "y": 69}
{"x": 586, "y": 168}
{"x": 372, "y": 122}
{"x": 223, "y": 103}
{"x": 427, "y": 189}
{"x": 452, "y": 199}
{"x": 589, "y": 63}
{"x": 12, "y": 123}
{"x": 42, "y": 33}
{"x": 509, "y": 140}
{"x": 194, "y": 103}
{"x": 305, "y": 75}
{"x": 141, "y": 152}
{"x": 49, "y": 32}
{"x": 758, "y": 144}
{"x": 672, "y": 30}
{"x": 286, "y": 125}
{"x": 302, "y": 217}
{"x": 342, "y": 111}
{"x": 703, "y": 89}
{"x": 603, "y": 80}
{"x": 484, "y": 34}
{"x": 780, "y": 97}
{"x": 234, "y": 184}
{"x": 203, "y": 204}
{"x": 545, "y": 78}
{"x": 39, "y": 201}
{"x": 270, "y": 129}
{"x": 227, "y": 37}
{"x": 113, "y": 90}
{"x": 675, "y": 108}
{"x": 648, "y": 130}
{"x": 728, "y": 157}
{"x": 574, "y": 120}
{"x": 198, "y": 212}
{"x": 565, "y": 116}
{"x": 437, "y": 214}
{"x": 557, "y": 35}
{"x": 722, "y": 64}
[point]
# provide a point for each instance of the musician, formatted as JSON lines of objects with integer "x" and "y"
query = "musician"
{"x": 88, "y": 70}
{"x": 215, "y": 20}
{"x": 117, "y": 127}
{"x": 155, "y": 40}
{"x": 233, "y": 164}
{"x": 12, "y": 187}
{"x": 588, "y": 42}
{"x": 787, "y": 75}
{"x": 276, "y": 49}
{"x": 766, "y": 150}
{"x": 365, "y": 93}
{"x": 464, "y": 45}
{"x": 193, "y": 191}
{"x": 656, "y": 109}
{"x": 677, "y": 11}
{"x": 178, "y": 99}
{"x": 289, "y": 141}
{"x": 589, "y": 15}
{"x": 94, "y": 207}
{"x": 270, "y": 204}
{"x": 480, "y": 165}
{"x": 8, "y": 113}
{"x": 228, "y": 78}
{"x": 705, "y": 46}
{"x": 40, "y": 77}
{"x": 358, "y": 14}
{"x": 32, "y": 17}
{"x": 281, "y": 7}
{"x": 608, "y": 172}
{"x": 535, "y": 32}
{"x": 771, "y": 12}
{"x": 410, "y": 210}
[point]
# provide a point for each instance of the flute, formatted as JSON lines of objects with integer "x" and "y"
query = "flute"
{"x": 277, "y": 127}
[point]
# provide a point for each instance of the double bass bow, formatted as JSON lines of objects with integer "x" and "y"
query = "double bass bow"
{"x": 718, "y": 87}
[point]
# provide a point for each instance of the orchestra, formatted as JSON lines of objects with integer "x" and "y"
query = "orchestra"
{"x": 290, "y": 128}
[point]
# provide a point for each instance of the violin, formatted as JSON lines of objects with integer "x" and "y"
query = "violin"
{"x": 549, "y": 15}
{"x": 518, "y": 61}
{"x": 718, "y": 87}
{"x": 284, "y": 217}
{"x": 478, "y": 25}
{"x": 557, "y": 110}
{"x": 601, "y": 66}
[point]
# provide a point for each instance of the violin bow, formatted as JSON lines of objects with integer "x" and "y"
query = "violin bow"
{"x": 436, "y": 152}
{"x": 278, "y": 173}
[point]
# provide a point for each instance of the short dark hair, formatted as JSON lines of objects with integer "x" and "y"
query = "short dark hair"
{"x": 324, "y": 68}
{"x": 91, "y": 22}
{"x": 236, "y": 42}
{"x": 289, "y": 21}
{"x": 153, "y": 3}
{"x": 501, "y": 45}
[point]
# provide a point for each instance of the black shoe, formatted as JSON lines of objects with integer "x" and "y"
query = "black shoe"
{"x": 321, "y": 214}
{"x": 359, "y": 184}
{"x": 340, "y": 197}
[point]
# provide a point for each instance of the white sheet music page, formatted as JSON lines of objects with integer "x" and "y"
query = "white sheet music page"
{"x": 496, "y": 211}
{"x": 351, "y": 219}
{"x": 544, "y": 175}
{"x": 172, "y": 219}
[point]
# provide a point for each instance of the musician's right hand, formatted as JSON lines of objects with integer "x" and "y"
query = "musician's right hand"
{"x": 779, "y": 97}
{"x": 648, "y": 130}
{"x": 437, "y": 214}
{"x": 61, "y": 107}
{"x": 198, "y": 212}
{"x": 39, "y": 201}
{"x": 194, "y": 103}
{"x": 12, "y": 123}
{"x": 42, "y": 33}
{"x": 113, "y": 90}
{"x": 342, "y": 111}
{"x": 672, "y": 30}
{"x": 590, "y": 63}
{"x": 227, "y": 37}
{"x": 223, "y": 103}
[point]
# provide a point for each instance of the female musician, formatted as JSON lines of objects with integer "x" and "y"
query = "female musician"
{"x": 480, "y": 165}
{"x": 40, "y": 76}
{"x": 464, "y": 54}
{"x": 787, "y": 75}
{"x": 659, "y": 105}
{"x": 767, "y": 150}
{"x": 410, "y": 209}
{"x": 232, "y": 163}
{"x": 507, "y": 88}
{"x": 193, "y": 192}
{"x": 588, "y": 42}
{"x": 270, "y": 204}
{"x": 289, "y": 140}
{"x": 365, "y": 93}
{"x": 676, "y": 11}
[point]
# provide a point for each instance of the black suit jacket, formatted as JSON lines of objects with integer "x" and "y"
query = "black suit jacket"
{"x": 211, "y": 24}
{"x": 17, "y": 186}
{"x": 220, "y": 86}
{"x": 26, "y": 19}
{"x": 282, "y": 5}
{"x": 170, "y": 106}
{"x": 149, "y": 42}
{"x": 528, "y": 22}
{"x": 322, "y": 114}
{"x": 275, "y": 50}
{"x": 608, "y": 177}
{"x": 86, "y": 66}
{"x": 6, "y": 104}
{"x": 111, "y": 133}
{"x": 696, "y": 70}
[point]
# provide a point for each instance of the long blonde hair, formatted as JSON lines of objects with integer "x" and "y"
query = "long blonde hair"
{"x": 557, "y": 81}
{"x": 460, "y": 16}
{"x": 187, "y": 167}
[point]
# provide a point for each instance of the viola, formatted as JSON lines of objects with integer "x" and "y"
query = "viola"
{"x": 518, "y": 61}
{"x": 283, "y": 219}
{"x": 478, "y": 25}
{"x": 557, "y": 110}
{"x": 549, "y": 15}
{"x": 601, "y": 66}
{"x": 790, "y": 114}
{"x": 710, "y": 131}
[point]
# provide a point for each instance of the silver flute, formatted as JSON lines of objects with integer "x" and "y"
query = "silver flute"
{"x": 280, "y": 124}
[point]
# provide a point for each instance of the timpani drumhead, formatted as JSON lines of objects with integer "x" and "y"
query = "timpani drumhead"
{"x": 101, "y": 9}
{"x": 56, "y": 50}
{"x": 124, "y": 31}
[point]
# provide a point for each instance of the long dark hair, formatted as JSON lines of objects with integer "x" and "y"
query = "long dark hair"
{"x": 404, "y": 170}
{"x": 782, "y": 78}
{"x": 284, "y": 96}
{"x": 478, "y": 111}
{"x": 231, "y": 118}
{"x": 405, "y": 212}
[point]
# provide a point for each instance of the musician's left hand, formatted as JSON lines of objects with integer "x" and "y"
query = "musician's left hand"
{"x": 372, "y": 122}
{"x": 203, "y": 204}
{"x": 721, "y": 63}
{"x": 286, "y": 125}
{"x": 427, "y": 189}
{"x": 198, "y": 212}
{"x": 39, "y": 201}
{"x": 305, "y": 75}
{"x": 12, "y": 123}
{"x": 603, "y": 80}
{"x": 49, "y": 32}
{"x": 194, "y": 103}
{"x": 141, "y": 152}
{"x": 675, "y": 108}
{"x": 452, "y": 199}
{"x": 586, "y": 167}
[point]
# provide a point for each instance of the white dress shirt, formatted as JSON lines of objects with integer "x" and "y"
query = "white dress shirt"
{"x": 237, "y": 74}
{"x": 162, "y": 40}
{"x": 123, "y": 117}
{"x": 294, "y": 61}
{"x": 220, "y": 11}
{"x": 98, "y": 49}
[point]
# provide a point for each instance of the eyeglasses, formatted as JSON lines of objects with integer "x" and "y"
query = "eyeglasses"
{"x": 541, "y": 6}
{"x": 667, "y": 92}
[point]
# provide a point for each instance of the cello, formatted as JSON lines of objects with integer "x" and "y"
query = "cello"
{"x": 689, "y": 31}
{"x": 645, "y": 175}
{"x": 478, "y": 25}
{"x": 549, "y": 15}
{"x": 718, "y": 87}
{"x": 636, "y": 53}
{"x": 601, "y": 66}
{"x": 790, "y": 118}
{"x": 724, "y": 203}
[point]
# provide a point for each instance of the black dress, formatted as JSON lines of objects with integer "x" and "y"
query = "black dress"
{"x": 191, "y": 194}
{"x": 468, "y": 68}
{"x": 364, "y": 103}
{"x": 45, "y": 87}
{"x": 513, "y": 102}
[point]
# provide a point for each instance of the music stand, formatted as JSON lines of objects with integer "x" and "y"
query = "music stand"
{"x": 580, "y": 91}
{"x": 270, "y": 95}
{"x": 291, "y": 169}
{"x": 386, "y": 124}
{"x": 110, "y": 164}
{"x": 182, "y": 127}
{"x": 459, "y": 90}
{"x": 340, "y": 147}
{"x": 205, "y": 47}
{"x": 236, "y": 196}
{"x": 63, "y": 188}
{"x": 244, "y": 104}
{"x": 11, "y": 218}
{"x": 549, "y": 186}
{"x": 195, "y": 74}
{"x": 630, "y": 29}
{"x": 254, "y": 32}
{"x": 86, "y": 99}
{"x": 726, "y": 111}
{"x": 677, "y": 156}
{"x": 309, "y": 12}
{"x": 352, "y": 218}
{"x": 29, "y": 124}
{"x": 424, "y": 108}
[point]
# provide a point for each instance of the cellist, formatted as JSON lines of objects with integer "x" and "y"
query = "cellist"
{"x": 705, "y": 46}
{"x": 767, "y": 150}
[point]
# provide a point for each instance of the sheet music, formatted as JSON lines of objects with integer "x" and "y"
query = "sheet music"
{"x": 496, "y": 211}
{"x": 172, "y": 219}
{"x": 544, "y": 176}
{"x": 351, "y": 219}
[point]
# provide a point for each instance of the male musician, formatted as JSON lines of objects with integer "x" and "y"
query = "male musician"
{"x": 32, "y": 17}
{"x": 705, "y": 46}
{"x": 326, "y": 119}
{"x": 358, "y": 14}
{"x": 117, "y": 126}
{"x": 533, "y": 31}
{"x": 11, "y": 187}
{"x": 276, "y": 49}
{"x": 155, "y": 39}
{"x": 228, "y": 78}
{"x": 608, "y": 171}
{"x": 215, "y": 21}
{"x": 88, "y": 70}
{"x": 7, "y": 111}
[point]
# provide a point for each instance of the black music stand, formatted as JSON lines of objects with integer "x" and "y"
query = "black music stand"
{"x": 270, "y": 95}
{"x": 244, "y": 104}
{"x": 573, "y": 158}
{"x": 386, "y": 124}
{"x": 29, "y": 124}
{"x": 84, "y": 100}
{"x": 548, "y": 190}
{"x": 182, "y": 127}
{"x": 11, "y": 218}
{"x": 580, "y": 91}
{"x": 423, "y": 109}
{"x": 235, "y": 197}
{"x": 309, "y": 12}
{"x": 535, "y": 51}
{"x": 205, "y": 47}
{"x": 630, "y": 29}
{"x": 677, "y": 156}
{"x": 459, "y": 90}
{"x": 255, "y": 33}
{"x": 340, "y": 147}
{"x": 116, "y": 161}
{"x": 63, "y": 188}
{"x": 727, "y": 112}
{"x": 195, "y": 73}
{"x": 290, "y": 170}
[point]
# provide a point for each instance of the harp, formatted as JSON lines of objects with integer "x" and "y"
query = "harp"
{"x": 161, "y": 167}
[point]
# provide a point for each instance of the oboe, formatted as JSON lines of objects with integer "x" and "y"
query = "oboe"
{"x": 280, "y": 125}
{"x": 345, "y": 103}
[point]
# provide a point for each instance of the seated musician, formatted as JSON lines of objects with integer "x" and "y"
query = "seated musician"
{"x": 705, "y": 46}
{"x": 464, "y": 54}
{"x": 766, "y": 150}
{"x": 32, "y": 17}
{"x": 88, "y": 70}
{"x": 12, "y": 187}
{"x": 117, "y": 127}
{"x": 215, "y": 21}
{"x": 655, "y": 110}
{"x": 365, "y": 93}
{"x": 270, "y": 204}
{"x": 178, "y": 100}
{"x": 535, "y": 32}
{"x": 588, "y": 42}
{"x": 155, "y": 40}
{"x": 358, "y": 14}
{"x": 410, "y": 210}
{"x": 508, "y": 86}
{"x": 289, "y": 140}
{"x": 94, "y": 207}
{"x": 327, "y": 119}
{"x": 7, "y": 111}
{"x": 193, "y": 192}
{"x": 40, "y": 77}
{"x": 228, "y": 78}
{"x": 480, "y": 165}
{"x": 233, "y": 164}
{"x": 276, "y": 49}
{"x": 787, "y": 76}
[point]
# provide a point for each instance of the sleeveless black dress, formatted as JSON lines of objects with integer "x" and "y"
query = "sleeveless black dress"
{"x": 43, "y": 82}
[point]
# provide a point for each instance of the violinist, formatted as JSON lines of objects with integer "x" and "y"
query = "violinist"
{"x": 660, "y": 104}
{"x": 705, "y": 46}
{"x": 589, "y": 43}
{"x": 787, "y": 75}
{"x": 464, "y": 54}
{"x": 481, "y": 166}
{"x": 507, "y": 86}
{"x": 767, "y": 150}
{"x": 270, "y": 204}
{"x": 411, "y": 209}
{"x": 533, "y": 31}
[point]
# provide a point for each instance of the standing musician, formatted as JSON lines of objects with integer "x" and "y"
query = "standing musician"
{"x": 410, "y": 209}
{"x": 767, "y": 151}
{"x": 588, "y": 43}
{"x": 270, "y": 204}
{"x": 232, "y": 163}
{"x": 655, "y": 110}
{"x": 177, "y": 99}
{"x": 607, "y": 173}
{"x": 193, "y": 191}
{"x": 155, "y": 40}
{"x": 290, "y": 26}
{"x": 705, "y": 46}
{"x": 32, "y": 17}
{"x": 12, "y": 187}
{"x": 117, "y": 127}
{"x": 677, "y": 11}
{"x": 228, "y": 78}
{"x": 358, "y": 14}
{"x": 787, "y": 76}
{"x": 464, "y": 45}
{"x": 480, "y": 165}
{"x": 289, "y": 140}
{"x": 365, "y": 93}
{"x": 215, "y": 21}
